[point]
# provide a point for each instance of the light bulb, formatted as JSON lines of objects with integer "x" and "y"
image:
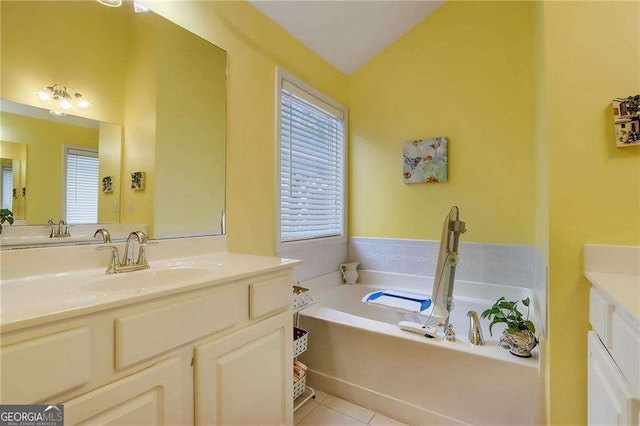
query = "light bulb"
{"x": 138, "y": 8}
{"x": 65, "y": 104}
{"x": 45, "y": 94}
{"x": 82, "y": 101}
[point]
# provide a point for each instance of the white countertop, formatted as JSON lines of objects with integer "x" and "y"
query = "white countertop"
{"x": 622, "y": 289}
{"x": 38, "y": 299}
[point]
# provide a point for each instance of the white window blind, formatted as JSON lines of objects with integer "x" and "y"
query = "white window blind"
{"x": 311, "y": 166}
{"x": 7, "y": 188}
{"x": 82, "y": 185}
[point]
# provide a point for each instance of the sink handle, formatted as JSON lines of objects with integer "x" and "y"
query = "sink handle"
{"x": 115, "y": 262}
{"x": 142, "y": 252}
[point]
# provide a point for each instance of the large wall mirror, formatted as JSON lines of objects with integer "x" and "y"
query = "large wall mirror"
{"x": 149, "y": 148}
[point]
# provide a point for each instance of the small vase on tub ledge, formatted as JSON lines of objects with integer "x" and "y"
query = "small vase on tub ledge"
{"x": 520, "y": 334}
{"x": 349, "y": 272}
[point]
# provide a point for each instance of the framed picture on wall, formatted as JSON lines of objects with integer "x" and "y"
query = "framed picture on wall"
{"x": 626, "y": 119}
{"x": 107, "y": 184}
{"x": 425, "y": 160}
{"x": 137, "y": 180}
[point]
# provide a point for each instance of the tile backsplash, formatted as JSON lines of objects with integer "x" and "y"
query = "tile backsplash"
{"x": 505, "y": 264}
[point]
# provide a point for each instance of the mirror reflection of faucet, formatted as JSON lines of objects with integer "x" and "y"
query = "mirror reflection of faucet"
{"x": 129, "y": 263}
{"x": 60, "y": 230}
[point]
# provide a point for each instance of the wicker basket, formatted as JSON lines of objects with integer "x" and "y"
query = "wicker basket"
{"x": 299, "y": 387}
{"x": 299, "y": 341}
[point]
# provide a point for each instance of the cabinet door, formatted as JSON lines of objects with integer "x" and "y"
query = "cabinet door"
{"x": 149, "y": 397}
{"x": 609, "y": 396}
{"x": 246, "y": 378}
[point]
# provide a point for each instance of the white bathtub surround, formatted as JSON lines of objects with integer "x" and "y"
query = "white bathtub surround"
{"x": 507, "y": 264}
{"x": 318, "y": 258}
{"x": 360, "y": 354}
{"x": 38, "y": 235}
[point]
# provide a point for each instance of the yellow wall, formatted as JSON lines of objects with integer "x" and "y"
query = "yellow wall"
{"x": 35, "y": 56}
{"x": 466, "y": 72}
{"x": 45, "y": 155}
{"x": 592, "y": 54}
{"x": 190, "y": 133}
{"x": 109, "y": 159}
{"x": 139, "y": 120}
{"x": 255, "y": 46}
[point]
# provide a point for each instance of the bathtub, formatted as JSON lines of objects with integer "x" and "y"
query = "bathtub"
{"x": 357, "y": 352}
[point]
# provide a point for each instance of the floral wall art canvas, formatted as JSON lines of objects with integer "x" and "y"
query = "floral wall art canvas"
{"x": 425, "y": 160}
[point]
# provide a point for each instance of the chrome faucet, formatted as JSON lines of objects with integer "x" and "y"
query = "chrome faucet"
{"x": 475, "y": 331}
{"x": 128, "y": 264}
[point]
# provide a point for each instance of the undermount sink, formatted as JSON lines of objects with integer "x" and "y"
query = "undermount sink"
{"x": 146, "y": 278}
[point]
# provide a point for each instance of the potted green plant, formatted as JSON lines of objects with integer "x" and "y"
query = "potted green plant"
{"x": 6, "y": 215}
{"x": 519, "y": 336}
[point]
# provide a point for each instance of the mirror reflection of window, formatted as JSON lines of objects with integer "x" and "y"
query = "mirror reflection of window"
{"x": 7, "y": 187}
{"x": 81, "y": 175}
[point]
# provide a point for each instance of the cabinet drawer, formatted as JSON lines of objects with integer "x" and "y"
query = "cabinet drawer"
{"x": 269, "y": 295}
{"x": 46, "y": 366}
{"x": 144, "y": 335}
{"x": 600, "y": 312}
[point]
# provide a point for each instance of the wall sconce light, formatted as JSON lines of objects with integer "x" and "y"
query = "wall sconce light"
{"x": 66, "y": 97}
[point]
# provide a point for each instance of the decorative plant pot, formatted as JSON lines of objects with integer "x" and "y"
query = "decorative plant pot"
{"x": 520, "y": 343}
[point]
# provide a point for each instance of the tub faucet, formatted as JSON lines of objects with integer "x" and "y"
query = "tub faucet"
{"x": 449, "y": 333}
{"x": 475, "y": 331}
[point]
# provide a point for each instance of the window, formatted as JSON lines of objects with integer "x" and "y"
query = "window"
{"x": 81, "y": 198}
{"x": 312, "y": 163}
{"x": 7, "y": 187}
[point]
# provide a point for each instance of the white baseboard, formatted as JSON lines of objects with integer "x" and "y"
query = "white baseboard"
{"x": 380, "y": 403}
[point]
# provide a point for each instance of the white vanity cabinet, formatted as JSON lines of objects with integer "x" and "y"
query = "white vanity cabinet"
{"x": 610, "y": 399}
{"x": 613, "y": 364}
{"x": 246, "y": 378}
{"x": 211, "y": 354}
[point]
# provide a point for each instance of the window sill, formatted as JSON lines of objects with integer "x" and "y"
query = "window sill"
{"x": 289, "y": 247}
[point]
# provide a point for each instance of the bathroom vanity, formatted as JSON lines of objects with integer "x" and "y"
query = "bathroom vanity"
{"x": 614, "y": 342}
{"x": 202, "y": 339}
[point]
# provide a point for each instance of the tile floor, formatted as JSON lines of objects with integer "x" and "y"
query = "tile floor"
{"x": 329, "y": 410}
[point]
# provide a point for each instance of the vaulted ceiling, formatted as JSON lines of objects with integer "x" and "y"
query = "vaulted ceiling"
{"x": 347, "y": 33}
